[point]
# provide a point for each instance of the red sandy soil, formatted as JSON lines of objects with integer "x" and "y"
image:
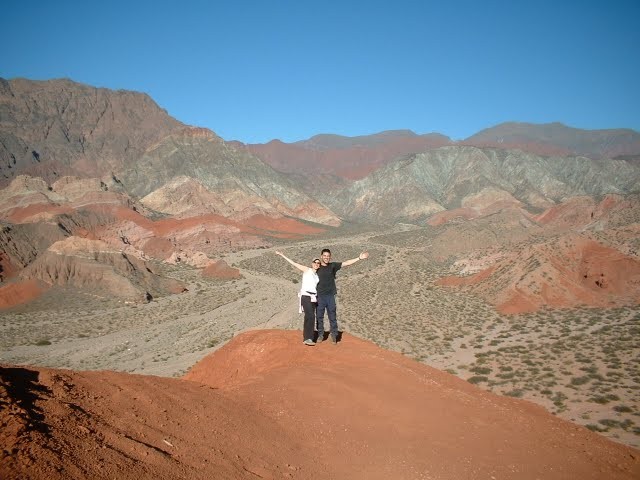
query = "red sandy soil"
{"x": 266, "y": 406}
{"x": 7, "y": 268}
{"x": 566, "y": 272}
{"x": 20, "y": 292}
{"x": 37, "y": 210}
{"x": 581, "y": 211}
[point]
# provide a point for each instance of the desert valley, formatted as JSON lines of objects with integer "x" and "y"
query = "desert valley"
{"x": 149, "y": 330}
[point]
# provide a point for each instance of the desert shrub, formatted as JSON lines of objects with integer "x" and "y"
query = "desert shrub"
{"x": 43, "y": 342}
{"x": 515, "y": 393}
{"x": 603, "y": 399}
{"x": 481, "y": 370}
{"x": 580, "y": 380}
{"x": 608, "y": 422}
{"x": 622, "y": 408}
{"x": 590, "y": 369}
{"x": 626, "y": 424}
{"x": 477, "y": 379}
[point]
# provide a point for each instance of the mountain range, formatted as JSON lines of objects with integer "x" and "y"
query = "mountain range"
{"x": 115, "y": 215}
{"x": 114, "y": 167}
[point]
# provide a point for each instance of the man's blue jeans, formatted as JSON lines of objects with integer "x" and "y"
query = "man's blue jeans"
{"x": 327, "y": 302}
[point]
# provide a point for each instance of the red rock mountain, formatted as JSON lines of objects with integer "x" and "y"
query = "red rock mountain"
{"x": 348, "y": 157}
{"x": 355, "y": 157}
{"x": 564, "y": 272}
{"x": 113, "y": 167}
{"x": 558, "y": 139}
{"x": 57, "y": 128}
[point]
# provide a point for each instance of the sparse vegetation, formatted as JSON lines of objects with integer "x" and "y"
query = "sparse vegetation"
{"x": 574, "y": 360}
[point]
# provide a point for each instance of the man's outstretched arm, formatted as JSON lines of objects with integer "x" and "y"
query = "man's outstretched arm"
{"x": 362, "y": 256}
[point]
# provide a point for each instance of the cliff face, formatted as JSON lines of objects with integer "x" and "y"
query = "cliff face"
{"x": 92, "y": 265}
{"x": 59, "y": 127}
{"x": 207, "y": 175}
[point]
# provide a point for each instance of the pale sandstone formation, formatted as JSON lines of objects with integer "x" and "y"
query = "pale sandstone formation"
{"x": 92, "y": 264}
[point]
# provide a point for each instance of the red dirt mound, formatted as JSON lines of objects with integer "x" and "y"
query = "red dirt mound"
{"x": 20, "y": 292}
{"x": 371, "y": 413}
{"x": 266, "y": 406}
{"x": 564, "y": 272}
{"x": 220, "y": 269}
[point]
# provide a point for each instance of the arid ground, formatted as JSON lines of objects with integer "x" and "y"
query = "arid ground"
{"x": 581, "y": 364}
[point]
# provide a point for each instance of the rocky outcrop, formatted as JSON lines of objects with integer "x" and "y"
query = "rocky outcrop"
{"x": 60, "y": 127}
{"x": 568, "y": 271}
{"x": 228, "y": 182}
{"x": 21, "y": 244}
{"x": 93, "y": 265}
{"x": 447, "y": 178}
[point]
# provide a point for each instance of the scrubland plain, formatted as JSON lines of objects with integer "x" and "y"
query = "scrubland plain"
{"x": 582, "y": 364}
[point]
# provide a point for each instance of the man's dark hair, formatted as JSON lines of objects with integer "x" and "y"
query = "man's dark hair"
{"x": 325, "y": 250}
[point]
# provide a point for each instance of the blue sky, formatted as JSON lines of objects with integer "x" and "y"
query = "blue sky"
{"x": 259, "y": 70}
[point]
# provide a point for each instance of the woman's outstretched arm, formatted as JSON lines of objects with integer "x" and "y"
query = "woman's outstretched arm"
{"x": 297, "y": 265}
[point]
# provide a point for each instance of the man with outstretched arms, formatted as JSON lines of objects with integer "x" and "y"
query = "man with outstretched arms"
{"x": 327, "y": 292}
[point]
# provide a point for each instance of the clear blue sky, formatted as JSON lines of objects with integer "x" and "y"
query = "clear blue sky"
{"x": 258, "y": 70}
